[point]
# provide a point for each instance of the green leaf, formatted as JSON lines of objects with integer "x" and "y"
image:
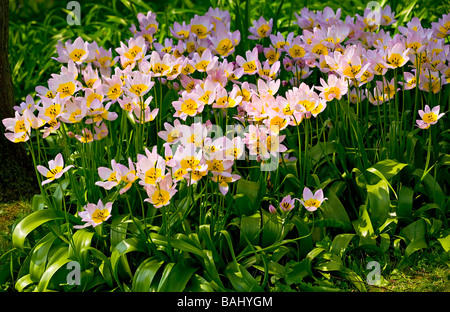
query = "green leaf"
{"x": 81, "y": 241}
{"x": 271, "y": 228}
{"x": 250, "y": 229}
{"x": 59, "y": 259}
{"x": 39, "y": 256}
{"x": 363, "y": 227}
{"x": 378, "y": 202}
{"x": 318, "y": 151}
{"x": 184, "y": 243}
{"x": 177, "y": 278}
{"x": 332, "y": 263}
{"x": 165, "y": 275}
{"x": 433, "y": 189}
{"x": 388, "y": 168}
{"x": 241, "y": 279}
{"x": 405, "y": 202}
{"x": 246, "y": 198}
{"x": 414, "y": 234}
{"x": 119, "y": 226}
{"x": 38, "y": 202}
{"x": 445, "y": 242}
{"x": 204, "y": 233}
{"x": 33, "y": 221}
{"x": 334, "y": 210}
{"x": 199, "y": 284}
{"x": 105, "y": 267}
{"x": 122, "y": 248}
{"x": 297, "y": 272}
{"x": 413, "y": 231}
{"x": 306, "y": 243}
{"x": 23, "y": 282}
{"x": 340, "y": 243}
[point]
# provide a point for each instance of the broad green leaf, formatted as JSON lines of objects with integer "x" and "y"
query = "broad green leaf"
{"x": 271, "y": 228}
{"x": 388, "y": 168}
{"x": 241, "y": 279}
{"x": 385, "y": 241}
{"x": 414, "y": 235}
{"x": 320, "y": 150}
{"x": 433, "y": 189}
{"x": 415, "y": 245}
{"x": 297, "y": 272}
{"x": 204, "y": 233}
{"x": 363, "y": 227}
{"x": 334, "y": 210}
{"x": 340, "y": 243}
{"x": 33, "y": 221}
{"x": 405, "y": 202}
{"x": 250, "y": 229}
{"x": 376, "y": 182}
{"x": 60, "y": 258}
{"x": 39, "y": 256}
{"x": 199, "y": 284}
{"x": 38, "y": 202}
{"x": 178, "y": 278}
{"x": 445, "y": 242}
{"x": 23, "y": 282}
{"x": 81, "y": 241}
{"x": 119, "y": 226}
{"x": 122, "y": 248}
{"x": 422, "y": 211}
{"x": 378, "y": 203}
{"x": 184, "y": 243}
{"x": 413, "y": 231}
{"x": 306, "y": 243}
{"x": 246, "y": 198}
{"x": 332, "y": 263}
{"x": 273, "y": 268}
{"x": 105, "y": 267}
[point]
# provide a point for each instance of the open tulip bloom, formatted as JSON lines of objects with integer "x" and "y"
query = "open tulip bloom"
{"x": 312, "y": 201}
{"x": 55, "y": 169}
{"x": 429, "y": 117}
{"x": 287, "y": 203}
{"x": 94, "y": 214}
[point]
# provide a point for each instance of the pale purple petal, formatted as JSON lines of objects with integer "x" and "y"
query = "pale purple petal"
{"x": 307, "y": 194}
{"x": 319, "y": 195}
{"x": 59, "y": 161}
{"x": 436, "y": 110}
{"x": 42, "y": 170}
{"x": 223, "y": 190}
{"x": 47, "y": 181}
{"x": 104, "y": 172}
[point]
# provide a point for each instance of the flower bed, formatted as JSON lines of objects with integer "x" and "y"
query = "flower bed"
{"x": 184, "y": 166}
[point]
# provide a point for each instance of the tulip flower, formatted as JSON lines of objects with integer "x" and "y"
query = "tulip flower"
{"x": 312, "y": 201}
{"x": 429, "y": 117}
{"x": 55, "y": 169}
{"x": 161, "y": 194}
{"x": 94, "y": 214}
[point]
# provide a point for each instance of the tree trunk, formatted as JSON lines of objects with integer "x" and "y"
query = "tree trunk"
{"x": 6, "y": 90}
{"x": 17, "y": 178}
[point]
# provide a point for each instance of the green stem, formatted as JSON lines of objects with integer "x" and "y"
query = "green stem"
{"x": 427, "y": 163}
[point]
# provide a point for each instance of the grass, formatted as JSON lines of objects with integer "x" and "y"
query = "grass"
{"x": 428, "y": 272}
{"x": 9, "y": 214}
